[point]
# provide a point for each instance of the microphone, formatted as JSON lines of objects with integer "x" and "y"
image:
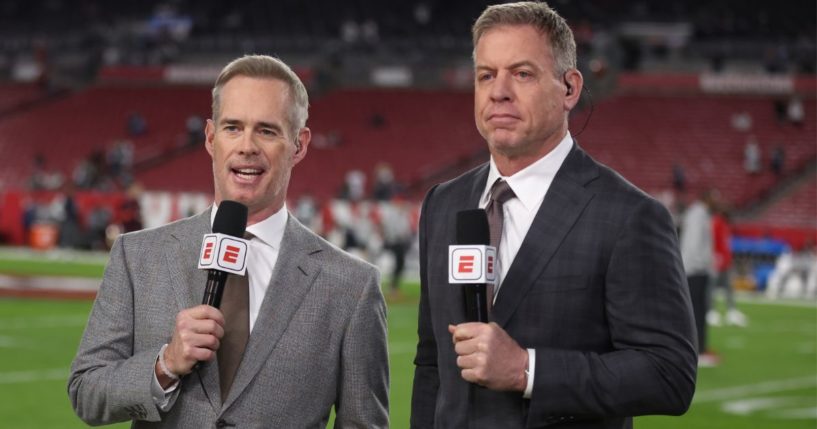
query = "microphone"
{"x": 472, "y": 263}
{"x": 224, "y": 251}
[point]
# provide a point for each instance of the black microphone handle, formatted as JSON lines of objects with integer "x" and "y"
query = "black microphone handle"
{"x": 214, "y": 288}
{"x": 478, "y": 300}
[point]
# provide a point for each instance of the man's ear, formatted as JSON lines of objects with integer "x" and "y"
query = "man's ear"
{"x": 209, "y": 135}
{"x": 574, "y": 82}
{"x": 301, "y": 144}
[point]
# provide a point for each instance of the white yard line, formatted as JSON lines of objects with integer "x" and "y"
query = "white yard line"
{"x": 783, "y": 302}
{"x": 727, "y": 393}
{"x": 43, "y": 322}
{"x": 49, "y": 283}
{"x": 32, "y": 376}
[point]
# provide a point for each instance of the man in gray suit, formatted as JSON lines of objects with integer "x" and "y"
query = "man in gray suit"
{"x": 591, "y": 323}
{"x": 317, "y": 324}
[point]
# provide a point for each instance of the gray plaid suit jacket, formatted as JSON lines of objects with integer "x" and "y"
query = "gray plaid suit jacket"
{"x": 319, "y": 340}
{"x": 597, "y": 289}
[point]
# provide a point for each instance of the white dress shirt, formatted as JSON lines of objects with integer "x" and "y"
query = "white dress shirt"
{"x": 261, "y": 258}
{"x": 530, "y": 185}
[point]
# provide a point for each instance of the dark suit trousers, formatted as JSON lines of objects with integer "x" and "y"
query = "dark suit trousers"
{"x": 698, "y": 291}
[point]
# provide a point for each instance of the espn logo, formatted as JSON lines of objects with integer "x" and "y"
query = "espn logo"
{"x": 471, "y": 264}
{"x": 224, "y": 253}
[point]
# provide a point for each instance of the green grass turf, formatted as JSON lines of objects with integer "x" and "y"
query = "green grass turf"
{"x": 38, "y": 339}
{"x": 26, "y": 262}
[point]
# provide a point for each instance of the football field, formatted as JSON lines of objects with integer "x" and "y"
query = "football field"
{"x": 767, "y": 379}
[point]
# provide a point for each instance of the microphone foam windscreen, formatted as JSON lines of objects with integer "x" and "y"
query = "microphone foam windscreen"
{"x": 472, "y": 227}
{"x": 231, "y": 219}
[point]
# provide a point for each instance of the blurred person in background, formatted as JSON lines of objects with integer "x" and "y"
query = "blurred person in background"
{"x": 136, "y": 125}
{"x": 398, "y": 235}
{"x": 795, "y": 274}
{"x": 721, "y": 240}
{"x": 304, "y": 332}
{"x": 751, "y": 156}
{"x": 697, "y": 251}
{"x": 592, "y": 322}
{"x": 384, "y": 186}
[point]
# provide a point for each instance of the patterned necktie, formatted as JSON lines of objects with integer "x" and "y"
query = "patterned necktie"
{"x": 500, "y": 193}
{"x": 235, "y": 306}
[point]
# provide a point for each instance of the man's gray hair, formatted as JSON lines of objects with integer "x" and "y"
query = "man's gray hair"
{"x": 541, "y": 17}
{"x": 266, "y": 67}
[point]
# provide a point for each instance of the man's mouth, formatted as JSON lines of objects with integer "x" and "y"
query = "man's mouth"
{"x": 247, "y": 173}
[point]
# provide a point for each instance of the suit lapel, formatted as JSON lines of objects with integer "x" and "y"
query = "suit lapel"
{"x": 477, "y": 188}
{"x": 564, "y": 202}
{"x": 292, "y": 278}
{"x": 182, "y": 255}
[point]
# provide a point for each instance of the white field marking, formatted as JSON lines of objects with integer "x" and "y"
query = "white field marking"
{"x": 11, "y": 342}
{"x": 735, "y": 343}
{"x": 782, "y": 327}
{"x": 783, "y": 302}
{"x": 43, "y": 322}
{"x": 805, "y": 348}
{"x": 60, "y": 255}
{"x": 799, "y": 413}
{"x": 32, "y": 376}
{"x": 736, "y": 392}
{"x": 745, "y": 407}
{"x": 35, "y": 283}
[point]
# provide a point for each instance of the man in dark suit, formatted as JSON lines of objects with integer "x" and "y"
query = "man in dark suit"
{"x": 305, "y": 333}
{"x": 592, "y": 321}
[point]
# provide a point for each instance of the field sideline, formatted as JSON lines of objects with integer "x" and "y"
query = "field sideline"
{"x": 768, "y": 378}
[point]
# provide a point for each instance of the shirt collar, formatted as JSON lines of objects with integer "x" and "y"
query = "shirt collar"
{"x": 527, "y": 183}
{"x": 269, "y": 230}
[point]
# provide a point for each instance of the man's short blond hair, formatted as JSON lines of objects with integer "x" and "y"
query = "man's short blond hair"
{"x": 541, "y": 17}
{"x": 267, "y": 67}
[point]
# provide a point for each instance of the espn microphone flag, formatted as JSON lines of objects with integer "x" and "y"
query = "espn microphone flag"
{"x": 224, "y": 253}
{"x": 471, "y": 263}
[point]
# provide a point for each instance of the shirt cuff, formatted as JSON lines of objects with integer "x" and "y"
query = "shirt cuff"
{"x": 163, "y": 398}
{"x": 529, "y": 371}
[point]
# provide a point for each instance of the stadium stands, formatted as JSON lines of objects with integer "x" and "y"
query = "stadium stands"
{"x": 643, "y": 136}
{"x": 417, "y": 132}
{"x": 797, "y": 209}
{"x": 66, "y": 130}
{"x": 12, "y": 96}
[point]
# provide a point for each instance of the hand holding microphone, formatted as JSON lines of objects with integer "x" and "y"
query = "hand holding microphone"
{"x": 489, "y": 357}
{"x": 196, "y": 338}
{"x": 198, "y": 330}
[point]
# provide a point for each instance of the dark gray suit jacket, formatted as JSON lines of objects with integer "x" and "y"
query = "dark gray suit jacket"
{"x": 319, "y": 340}
{"x": 597, "y": 288}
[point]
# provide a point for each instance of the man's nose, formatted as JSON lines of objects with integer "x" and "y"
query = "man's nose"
{"x": 501, "y": 87}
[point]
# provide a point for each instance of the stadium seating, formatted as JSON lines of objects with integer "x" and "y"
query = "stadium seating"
{"x": 414, "y": 131}
{"x": 643, "y": 136}
{"x": 13, "y": 96}
{"x": 797, "y": 209}
{"x": 417, "y": 132}
{"x": 66, "y": 130}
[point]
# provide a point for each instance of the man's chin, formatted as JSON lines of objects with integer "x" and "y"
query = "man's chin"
{"x": 506, "y": 146}
{"x": 240, "y": 197}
